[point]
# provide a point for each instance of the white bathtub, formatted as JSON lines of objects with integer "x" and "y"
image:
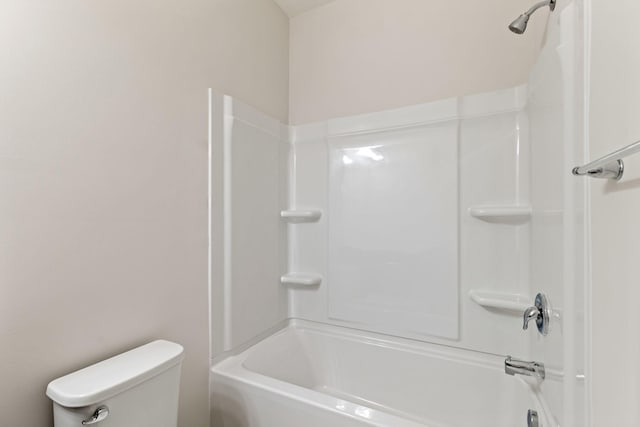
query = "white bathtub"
{"x": 313, "y": 375}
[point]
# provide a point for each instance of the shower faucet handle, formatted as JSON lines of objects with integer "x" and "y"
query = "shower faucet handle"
{"x": 530, "y": 314}
{"x": 540, "y": 312}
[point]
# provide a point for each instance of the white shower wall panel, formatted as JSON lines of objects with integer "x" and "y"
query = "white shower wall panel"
{"x": 489, "y": 136}
{"x": 558, "y": 265}
{"x": 248, "y": 190}
{"x": 494, "y": 254}
{"x": 393, "y": 230}
{"x": 494, "y": 168}
{"x": 255, "y": 262}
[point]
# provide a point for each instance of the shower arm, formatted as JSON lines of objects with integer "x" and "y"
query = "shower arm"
{"x": 550, "y": 3}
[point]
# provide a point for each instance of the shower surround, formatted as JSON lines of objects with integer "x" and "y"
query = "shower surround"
{"x": 373, "y": 270}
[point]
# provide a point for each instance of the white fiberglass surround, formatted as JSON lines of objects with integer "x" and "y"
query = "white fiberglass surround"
{"x": 316, "y": 375}
{"x": 409, "y": 231}
{"x": 394, "y": 214}
{"x": 393, "y": 229}
{"x": 434, "y": 223}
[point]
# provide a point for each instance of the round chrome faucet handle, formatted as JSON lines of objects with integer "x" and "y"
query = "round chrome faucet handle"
{"x": 542, "y": 322}
{"x": 541, "y": 312}
{"x": 530, "y": 314}
{"x": 100, "y": 414}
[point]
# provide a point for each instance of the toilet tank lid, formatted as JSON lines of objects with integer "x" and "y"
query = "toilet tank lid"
{"x": 110, "y": 377}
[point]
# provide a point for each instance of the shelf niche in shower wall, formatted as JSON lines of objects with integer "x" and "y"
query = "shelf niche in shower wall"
{"x": 513, "y": 214}
{"x": 296, "y": 216}
{"x": 301, "y": 279}
{"x": 514, "y": 303}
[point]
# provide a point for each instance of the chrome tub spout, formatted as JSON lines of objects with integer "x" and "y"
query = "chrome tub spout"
{"x": 520, "y": 367}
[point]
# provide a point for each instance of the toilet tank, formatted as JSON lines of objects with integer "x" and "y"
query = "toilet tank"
{"x": 139, "y": 388}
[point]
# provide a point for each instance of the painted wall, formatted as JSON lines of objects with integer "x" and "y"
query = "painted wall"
{"x": 359, "y": 56}
{"x": 103, "y": 179}
{"x": 615, "y": 108}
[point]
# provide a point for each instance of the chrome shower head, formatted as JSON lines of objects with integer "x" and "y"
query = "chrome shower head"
{"x": 519, "y": 26}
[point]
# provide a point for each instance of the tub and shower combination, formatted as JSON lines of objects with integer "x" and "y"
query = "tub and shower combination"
{"x": 397, "y": 254}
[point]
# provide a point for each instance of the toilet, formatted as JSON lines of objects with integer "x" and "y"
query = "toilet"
{"x": 139, "y": 388}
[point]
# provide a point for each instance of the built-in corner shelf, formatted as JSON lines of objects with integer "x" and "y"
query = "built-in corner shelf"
{"x": 501, "y": 213}
{"x": 297, "y": 216}
{"x": 301, "y": 279}
{"x": 501, "y": 301}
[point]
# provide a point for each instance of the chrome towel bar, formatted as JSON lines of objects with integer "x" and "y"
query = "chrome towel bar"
{"x": 610, "y": 166}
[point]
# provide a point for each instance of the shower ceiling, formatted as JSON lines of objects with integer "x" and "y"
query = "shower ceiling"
{"x": 296, "y": 7}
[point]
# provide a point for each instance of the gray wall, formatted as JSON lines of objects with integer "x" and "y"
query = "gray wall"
{"x": 103, "y": 179}
{"x": 383, "y": 54}
{"x": 615, "y": 229}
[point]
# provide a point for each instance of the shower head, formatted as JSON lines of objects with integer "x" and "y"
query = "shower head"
{"x": 519, "y": 26}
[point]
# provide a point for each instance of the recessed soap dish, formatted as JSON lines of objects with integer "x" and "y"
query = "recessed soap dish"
{"x": 301, "y": 279}
{"x": 501, "y": 301}
{"x": 501, "y": 213}
{"x": 296, "y": 216}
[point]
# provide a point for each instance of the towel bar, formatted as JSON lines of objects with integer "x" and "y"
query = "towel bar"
{"x": 610, "y": 166}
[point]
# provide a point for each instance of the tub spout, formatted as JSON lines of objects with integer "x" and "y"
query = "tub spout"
{"x": 520, "y": 367}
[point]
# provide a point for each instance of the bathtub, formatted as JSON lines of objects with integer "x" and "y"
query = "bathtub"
{"x": 315, "y": 375}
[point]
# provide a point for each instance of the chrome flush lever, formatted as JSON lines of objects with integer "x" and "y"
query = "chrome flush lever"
{"x": 540, "y": 312}
{"x": 100, "y": 414}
